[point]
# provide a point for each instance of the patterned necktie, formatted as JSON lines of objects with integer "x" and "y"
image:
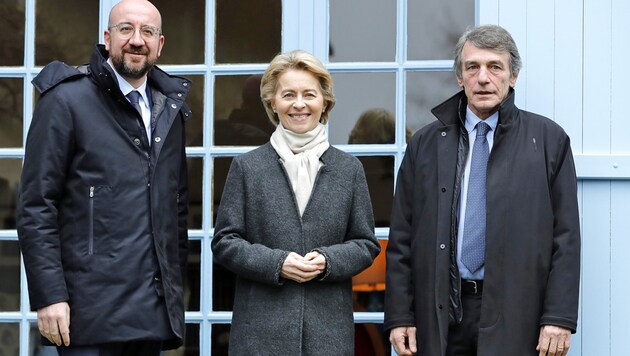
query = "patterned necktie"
{"x": 134, "y": 98}
{"x": 474, "y": 244}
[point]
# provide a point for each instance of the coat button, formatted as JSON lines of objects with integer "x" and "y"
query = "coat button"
{"x": 136, "y": 141}
{"x": 174, "y": 106}
{"x": 443, "y": 190}
{"x": 440, "y": 306}
{"x": 179, "y": 95}
{"x": 442, "y": 246}
{"x": 443, "y": 134}
{"x": 157, "y": 139}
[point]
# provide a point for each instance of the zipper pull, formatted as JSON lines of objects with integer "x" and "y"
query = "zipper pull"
{"x": 91, "y": 192}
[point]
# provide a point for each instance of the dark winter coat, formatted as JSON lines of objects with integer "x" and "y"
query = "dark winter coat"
{"x": 532, "y": 263}
{"x": 259, "y": 224}
{"x": 101, "y": 215}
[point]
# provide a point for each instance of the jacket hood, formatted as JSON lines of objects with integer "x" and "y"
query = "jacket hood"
{"x": 57, "y": 72}
{"x": 453, "y": 110}
{"x": 54, "y": 73}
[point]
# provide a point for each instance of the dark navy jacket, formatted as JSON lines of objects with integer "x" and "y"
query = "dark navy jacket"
{"x": 101, "y": 213}
{"x": 532, "y": 266}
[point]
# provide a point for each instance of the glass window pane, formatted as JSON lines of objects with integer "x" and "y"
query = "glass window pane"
{"x": 183, "y": 26}
{"x": 9, "y": 276}
{"x": 191, "y": 343}
{"x": 219, "y": 175}
{"x": 193, "y": 275}
{"x": 12, "y": 29}
{"x": 223, "y": 281}
{"x": 220, "y": 339}
{"x": 10, "y": 338}
{"x": 10, "y": 171}
{"x": 379, "y": 172}
{"x": 356, "y": 93}
{"x": 371, "y": 35}
{"x": 247, "y": 31}
{"x": 195, "y": 192}
{"x": 369, "y": 285}
{"x": 435, "y": 26}
{"x": 240, "y": 118}
{"x": 370, "y": 340}
{"x": 375, "y": 126}
{"x": 68, "y": 36}
{"x": 426, "y": 90}
{"x": 11, "y": 104}
{"x": 194, "y": 126}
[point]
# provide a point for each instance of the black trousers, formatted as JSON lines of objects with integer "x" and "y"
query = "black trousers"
{"x": 462, "y": 338}
{"x": 132, "y": 348}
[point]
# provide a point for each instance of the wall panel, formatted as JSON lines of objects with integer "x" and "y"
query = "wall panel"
{"x": 595, "y": 321}
{"x": 619, "y": 248}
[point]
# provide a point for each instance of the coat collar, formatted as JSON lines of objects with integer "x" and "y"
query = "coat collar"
{"x": 453, "y": 110}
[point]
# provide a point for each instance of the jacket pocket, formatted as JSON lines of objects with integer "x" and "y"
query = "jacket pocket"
{"x": 98, "y": 219}
{"x": 91, "y": 222}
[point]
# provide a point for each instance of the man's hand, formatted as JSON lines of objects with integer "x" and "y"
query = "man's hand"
{"x": 53, "y": 322}
{"x": 553, "y": 341}
{"x": 303, "y": 269}
{"x": 403, "y": 338}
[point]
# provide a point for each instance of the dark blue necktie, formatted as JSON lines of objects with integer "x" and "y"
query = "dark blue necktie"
{"x": 474, "y": 244}
{"x": 134, "y": 98}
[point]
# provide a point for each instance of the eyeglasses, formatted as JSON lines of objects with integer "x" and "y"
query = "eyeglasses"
{"x": 126, "y": 31}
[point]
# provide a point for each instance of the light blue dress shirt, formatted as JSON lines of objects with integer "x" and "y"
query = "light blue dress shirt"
{"x": 470, "y": 125}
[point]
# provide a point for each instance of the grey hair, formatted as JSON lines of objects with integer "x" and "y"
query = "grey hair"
{"x": 491, "y": 37}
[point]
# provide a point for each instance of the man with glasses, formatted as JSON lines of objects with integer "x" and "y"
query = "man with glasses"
{"x": 103, "y": 197}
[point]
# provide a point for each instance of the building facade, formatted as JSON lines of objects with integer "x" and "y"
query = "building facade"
{"x": 390, "y": 59}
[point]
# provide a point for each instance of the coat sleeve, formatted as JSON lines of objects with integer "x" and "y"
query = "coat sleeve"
{"x": 399, "y": 294}
{"x": 562, "y": 293}
{"x": 47, "y": 158}
{"x": 230, "y": 246}
{"x": 360, "y": 247}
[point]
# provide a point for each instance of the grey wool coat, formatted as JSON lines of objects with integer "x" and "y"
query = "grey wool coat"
{"x": 258, "y": 224}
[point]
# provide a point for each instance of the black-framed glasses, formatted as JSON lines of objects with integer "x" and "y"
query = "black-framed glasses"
{"x": 127, "y": 30}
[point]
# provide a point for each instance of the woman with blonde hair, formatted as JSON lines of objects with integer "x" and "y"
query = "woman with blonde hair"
{"x": 295, "y": 223}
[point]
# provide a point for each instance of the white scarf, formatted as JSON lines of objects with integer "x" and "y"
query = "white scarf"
{"x": 300, "y": 155}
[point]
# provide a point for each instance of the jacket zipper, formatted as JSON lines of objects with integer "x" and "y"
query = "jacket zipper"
{"x": 91, "y": 222}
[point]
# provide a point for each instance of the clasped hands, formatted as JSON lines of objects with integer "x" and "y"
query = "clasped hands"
{"x": 303, "y": 268}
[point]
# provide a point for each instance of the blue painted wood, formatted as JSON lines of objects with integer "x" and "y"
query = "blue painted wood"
{"x": 620, "y": 257}
{"x": 539, "y": 57}
{"x": 595, "y": 321}
{"x": 597, "y": 76}
{"x": 567, "y": 64}
{"x": 620, "y": 32}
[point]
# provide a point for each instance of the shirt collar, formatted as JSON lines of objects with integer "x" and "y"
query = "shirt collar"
{"x": 126, "y": 88}
{"x": 472, "y": 120}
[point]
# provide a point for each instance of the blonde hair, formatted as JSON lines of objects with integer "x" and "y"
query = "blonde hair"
{"x": 299, "y": 60}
